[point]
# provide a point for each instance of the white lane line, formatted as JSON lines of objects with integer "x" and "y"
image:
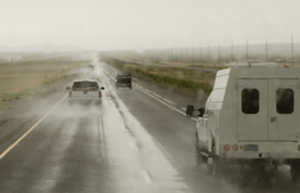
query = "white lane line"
{"x": 161, "y": 101}
{"x": 166, "y": 152}
{"x": 157, "y": 97}
{"x": 132, "y": 145}
{"x": 147, "y": 177}
{"x": 29, "y": 130}
{"x": 109, "y": 74}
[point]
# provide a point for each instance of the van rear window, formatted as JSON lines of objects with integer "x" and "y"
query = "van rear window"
{"x": 250, "y": 101}
{"x": 285, "y": 100}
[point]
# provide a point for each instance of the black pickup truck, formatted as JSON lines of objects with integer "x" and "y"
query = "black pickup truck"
{"x": 124, "y": 80}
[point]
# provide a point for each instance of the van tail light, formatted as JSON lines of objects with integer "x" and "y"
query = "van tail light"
{"x": 226, "y": 147}
{"x": 70, "y": 94}
{"x": 100, "y": 94}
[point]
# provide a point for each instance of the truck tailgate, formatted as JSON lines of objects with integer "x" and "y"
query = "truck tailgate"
{"x": 85, "y": 94}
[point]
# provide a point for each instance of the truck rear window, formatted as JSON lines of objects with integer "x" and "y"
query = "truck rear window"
{"x": 124, "y": 77}
{"x": 85, "y": 86}
{"x": 250, "y": 101}
{"x": 285, "y": 101}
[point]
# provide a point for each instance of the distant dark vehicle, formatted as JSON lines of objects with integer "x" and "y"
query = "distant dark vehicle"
{"x": 124, "y": 80}
{"x": 91, "y": 67}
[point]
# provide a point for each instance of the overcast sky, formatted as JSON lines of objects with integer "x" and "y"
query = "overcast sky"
{"x": 142, "y": 24}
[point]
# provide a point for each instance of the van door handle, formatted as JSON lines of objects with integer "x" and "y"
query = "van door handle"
{"x": 273, "y": 119}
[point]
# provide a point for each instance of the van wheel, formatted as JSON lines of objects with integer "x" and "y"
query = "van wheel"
{"x": 189, "y": 110}
{"x": 217, "y": 163}
{"x": 295, "y": 171}
{"x": 200, "y": 159}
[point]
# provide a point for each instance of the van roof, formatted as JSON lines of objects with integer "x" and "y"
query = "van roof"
{"x": 251, "y": 63}
{"x": 261, "y": 72}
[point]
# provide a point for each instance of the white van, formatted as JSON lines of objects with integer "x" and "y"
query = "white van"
{"x": 251, "y": 116}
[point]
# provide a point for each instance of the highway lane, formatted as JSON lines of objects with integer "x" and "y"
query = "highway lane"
{"x": 137, "y": 141}
{"x": 83, "y": 149}
{"x": 173, "y": 132}
{"x": 175, "y": 135}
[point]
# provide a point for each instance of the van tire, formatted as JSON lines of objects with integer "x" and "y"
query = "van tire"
{"x": 189, "y": 110}
{"x": 217, "y": 163}
{"x": 200, "y": 158}
{"x": 295, "y": 171}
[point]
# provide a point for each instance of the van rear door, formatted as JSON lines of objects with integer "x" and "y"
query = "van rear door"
{"x": 283, "y": 112}
{"x": 252, "y": 110}
{"x": 267, "y": 110}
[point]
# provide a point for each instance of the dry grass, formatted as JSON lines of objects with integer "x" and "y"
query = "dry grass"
{"x": 196, "y": 75}
{"x": 23, "y": 78}
{"x": 189, "y": 64}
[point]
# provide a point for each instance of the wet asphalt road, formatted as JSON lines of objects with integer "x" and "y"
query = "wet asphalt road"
{"x": 175, "y": 135}
{"x": 136, "y": 141}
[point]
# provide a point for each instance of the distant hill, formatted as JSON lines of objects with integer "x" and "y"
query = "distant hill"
{"x": 41, "y": 48}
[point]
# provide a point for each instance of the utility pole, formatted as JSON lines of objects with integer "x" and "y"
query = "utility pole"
{"x": 219, "y": 51}
{"x": 247, "y": 51}
{"x": 200, "y": 54}
{"x": 208, "y": 51}
{"x": 267, "y": 58}
{"x": 193, "y": 54}
{"x": 231, "y": 58}
{"x": 181, "y": 54}
{"x": 171, "y": 55}
{"x": 187, "y": 56}
{"x": 292, "y": 49}
{"x": 177, "y": 54}
{"x": 174, "y": 54}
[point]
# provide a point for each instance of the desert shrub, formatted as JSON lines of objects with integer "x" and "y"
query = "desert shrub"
{"x": 181, "y": 83}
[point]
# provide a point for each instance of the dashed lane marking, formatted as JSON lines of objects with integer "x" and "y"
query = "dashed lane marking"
{"x": 147, "y": 177}
{"x": 158, "y": 98}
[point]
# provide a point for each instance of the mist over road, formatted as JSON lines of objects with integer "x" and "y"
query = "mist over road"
{"x": 139, "y": 140}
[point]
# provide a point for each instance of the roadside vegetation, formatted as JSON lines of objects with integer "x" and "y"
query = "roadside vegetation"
{"x": 20, "y": 79}
{"x": 188, "y": 79}
{"x": 180, "y": 83}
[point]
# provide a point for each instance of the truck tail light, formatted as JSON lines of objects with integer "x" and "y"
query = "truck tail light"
{"x": 100, "y": 94}
{"x": 226, "y": 147}
{"x": 70, "y": 94}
